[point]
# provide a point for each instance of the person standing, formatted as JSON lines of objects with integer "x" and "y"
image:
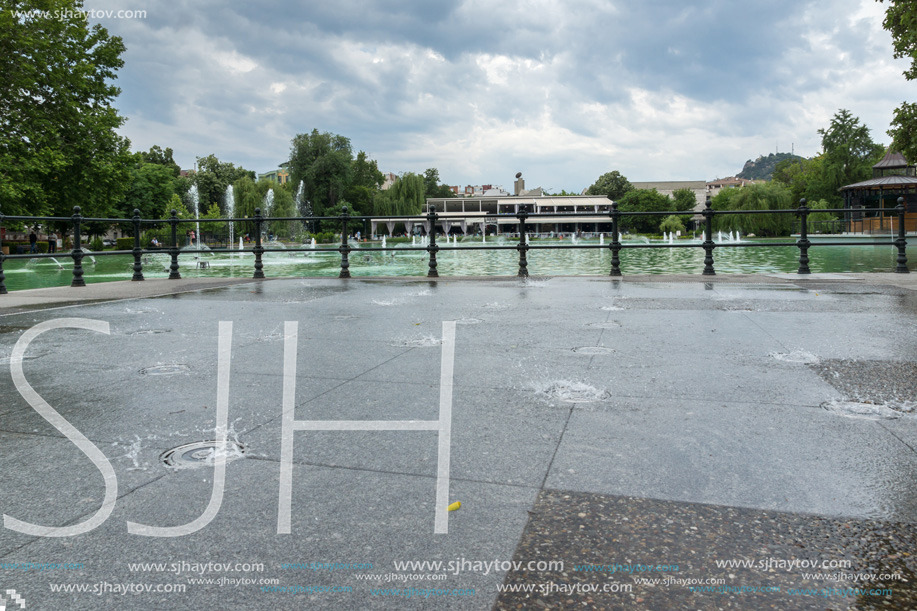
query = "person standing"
{"x": 52, "y": 242}
{"x": 33, "y": 242}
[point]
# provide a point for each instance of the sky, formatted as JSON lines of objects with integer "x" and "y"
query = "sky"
{"x": 560, "y": 90}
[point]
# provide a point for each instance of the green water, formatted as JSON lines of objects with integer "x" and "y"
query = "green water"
{"x": 38, "y": 273}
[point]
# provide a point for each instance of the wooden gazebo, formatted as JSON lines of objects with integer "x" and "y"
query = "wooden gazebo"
{"x": 891, "y": 178}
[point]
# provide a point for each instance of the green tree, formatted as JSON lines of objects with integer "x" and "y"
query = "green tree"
{"x": 849, "y": 150}
{"x": 432, "y": 186}
{"x": 162, "y": 157}
{"x": 901, "y": 21}
{"x": 212, "y": 178}
{"x": 672, "y": 224}
{"x": 365, "y": 183}
{"x": 613, "y": 185}
{"x": 643, "y": 200}
{"x": 58, "y": 144}
{"x": 904, "y": 131}
{"x": 761, "y": 196}
{"x": 150, "y": 186}
{"x": 323, "y": 162}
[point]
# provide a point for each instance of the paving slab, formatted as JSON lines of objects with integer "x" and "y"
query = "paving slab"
{"x": 593, "y": 422}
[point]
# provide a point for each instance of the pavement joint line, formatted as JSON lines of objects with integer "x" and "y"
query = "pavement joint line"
{"x": 78, "y": 517}
{"x": 895, "y": 435}
{"x": 384, "y": 472}
{"x": 560, "y": 440}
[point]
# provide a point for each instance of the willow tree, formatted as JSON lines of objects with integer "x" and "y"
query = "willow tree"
{"x": 759, "y": 196}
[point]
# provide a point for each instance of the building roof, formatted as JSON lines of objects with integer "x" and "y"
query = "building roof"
{"x": 884, "y": 182}
{"x": 891, "y": 161}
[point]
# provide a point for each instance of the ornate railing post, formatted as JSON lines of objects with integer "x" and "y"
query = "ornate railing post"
{"x": 3, "y": 290}
{"x": 901, "y": 242}
{"x": 345, "y": 247}
{"x": 77, "y": 252}
{"x": 173, "y": 249}
{"x": 803, "y": 242}
{"x": 258, "y": 249}
{"x": 523, "y": 244}
{"x": 708, "y": 244}
{"x": 615, "y": 215}
{"x": 432, "y": 248}
{"x": 138, "y": 250}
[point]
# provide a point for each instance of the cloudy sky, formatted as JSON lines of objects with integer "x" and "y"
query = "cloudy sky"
{"x": 562, "y": 90}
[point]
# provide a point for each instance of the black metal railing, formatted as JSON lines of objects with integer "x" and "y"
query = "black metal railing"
{"x": 523, "y": 218}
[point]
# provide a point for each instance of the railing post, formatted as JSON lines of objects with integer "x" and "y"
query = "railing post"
{"x": 258, "y": 249}
{"x": 615, "y": 215}
{"x": 523, "y": 245}
{"x": 173, "y": 249}
{"x": 345, "y": 248}
{"x": 3, "y": 290}
{"x": 803, "y": 243}
{"x": 138, "y": 265}
{"x": 77, "y": 252}
{"x": 708, "y": 244}
{"x": 901, "y": 242}
{"x": 432, "y": 248}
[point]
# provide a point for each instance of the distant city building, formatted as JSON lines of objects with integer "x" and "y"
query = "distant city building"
{"x": 730, "y": 182}
{"x": 388, "y": 180}
{"x": 280, "y": 175}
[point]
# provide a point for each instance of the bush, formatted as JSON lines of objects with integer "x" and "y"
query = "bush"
{"x": 672, "y": 224}
{"x": 96, "y": 244}
{"x": 124, "y": 243}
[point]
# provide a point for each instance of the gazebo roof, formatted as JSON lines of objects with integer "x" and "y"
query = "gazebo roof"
{"x": 884, "y": 182}
{"x": 891, "y": 161}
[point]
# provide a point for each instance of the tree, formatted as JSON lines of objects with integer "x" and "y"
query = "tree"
{"x": 432, "y": 187}
{"x": 212, "y": 178}
{"x": 849, "y": 150}
{"x": 807, "y": 178}
{"x": 613, "y": 185}
{"x": 901, "y": 22}
{"x": 58, "y": 145}
{"x": 162, "y": 157}
{"x": 643, "y": 200}
{"x": 672, "y": 224}
{"x": 365, "y": 183}
{"x": 150, "y": 186}
{"x": 323, "y": 162}
{"x": 761, "y": 196}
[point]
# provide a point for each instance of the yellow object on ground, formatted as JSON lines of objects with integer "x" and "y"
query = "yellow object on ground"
{"x": 454, "y": 506}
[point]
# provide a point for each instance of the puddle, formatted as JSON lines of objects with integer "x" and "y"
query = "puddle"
{"x": 796, "y": 356}
{"x": 611, "y": 324}
{"x": 468, "y": 321}
{"x": 385, "y": 302}
{"x": 150, "y": 331}
{"x": 166, "y": 370}
{"x": 572, "y": 392}
{"x": 346, "y": 317}
{"x": 495, "y": 305}
{"x": 593, "y": 350}
{"x": 611, "y": 308}
{"x": 419, "y": 342}
{"x": 867, "y": 411}
{"x": 5, "y": 360}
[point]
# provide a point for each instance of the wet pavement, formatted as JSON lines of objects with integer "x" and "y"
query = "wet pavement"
{"x": 734, "y": 442}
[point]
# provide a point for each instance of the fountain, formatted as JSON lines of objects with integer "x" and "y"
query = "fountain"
{"x": 601, "y": 239}
{"x": 267, "y": 207}
{"x": 195, "y": 202}
{"x": 312, "y": 243}
{"x": 229, "y": 207}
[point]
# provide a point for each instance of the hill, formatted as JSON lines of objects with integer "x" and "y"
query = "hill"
{"x": 762, "y": 168}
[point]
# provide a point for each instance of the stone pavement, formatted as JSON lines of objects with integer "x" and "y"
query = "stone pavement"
{"x": 613, "y": 444}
